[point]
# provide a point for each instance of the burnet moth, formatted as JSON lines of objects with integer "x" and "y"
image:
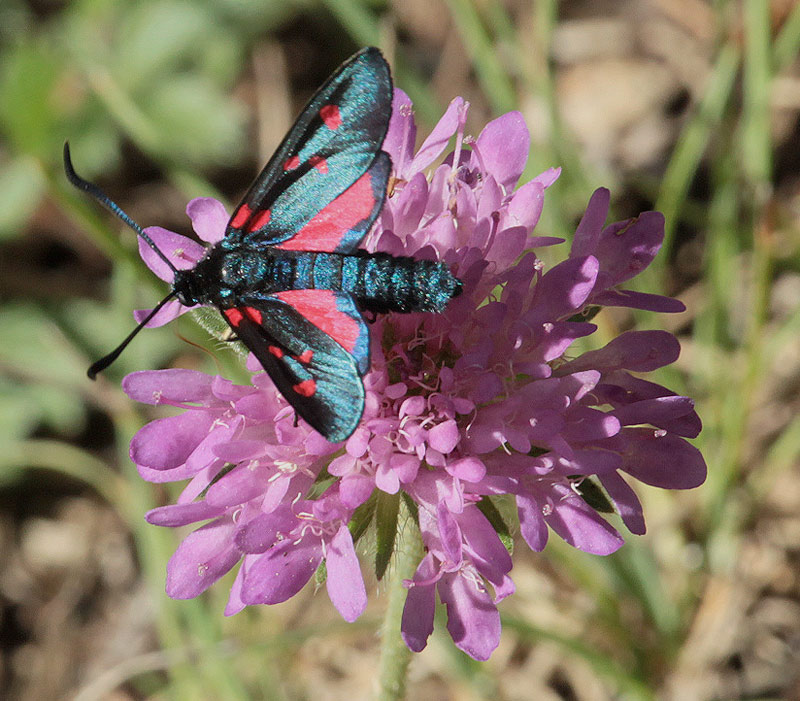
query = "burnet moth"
{"x": 288, "y": 276}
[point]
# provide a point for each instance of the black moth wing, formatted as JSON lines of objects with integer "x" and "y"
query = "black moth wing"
{"x": 331, "y": 145}
{"x": 314, "y": 373}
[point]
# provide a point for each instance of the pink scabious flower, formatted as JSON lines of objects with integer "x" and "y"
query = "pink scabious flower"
{"x": 486, "y": 401}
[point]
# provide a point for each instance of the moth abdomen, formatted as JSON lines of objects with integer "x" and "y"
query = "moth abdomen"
{"x": 383, "y": 283}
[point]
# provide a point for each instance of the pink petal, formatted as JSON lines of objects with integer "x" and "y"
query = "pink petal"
{"x": 504, "y": 144}
{"x": 174, "y": 385}
{"x": 472, "y": 618}
{"x": 588, "y": 232}
{"x": 201, "y": 559}
{"x": 444, "y": 437}
{"x": 417, "y": 622}
{"x": 402, "y": 133}
{"x": 281, "y": 572}
{"x": 167, "y": 443}
{"x": 209, "y": 218}
{"x": 170, "y": 311}
{"x": 344, "y": 583}
{"x": 663, "y": 460}
{"x": 181, "y": 251}
{"x": 440, "y": 135}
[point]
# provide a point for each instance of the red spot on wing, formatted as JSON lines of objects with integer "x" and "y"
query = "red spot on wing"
{"x": 305, "y": 356}
{"x": 319, "y": 163}
{"x": 331, "y": 116}
{"x": 325, "y": 230}
{"x": 319, "y": 307}
{"x": 262, "y": 219}
{"x": 306, "y": 387}
{"x": 277, "y": 352}
{"x": 241, "y": 216}
{"x": 234, "y": 316}
{"x": 291, "y": 163}
{"x": 253, "y": 314}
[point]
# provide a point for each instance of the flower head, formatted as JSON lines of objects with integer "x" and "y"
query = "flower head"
{"x": 487, "y": 400}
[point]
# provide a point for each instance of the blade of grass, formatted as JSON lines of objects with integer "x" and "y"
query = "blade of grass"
{"x": 690, "y": 148}
{"x": 360, "y": 24}
{"x": 492, "y": 75}
{"x": 787, "y": 44}
{"x": 602, "y": 663}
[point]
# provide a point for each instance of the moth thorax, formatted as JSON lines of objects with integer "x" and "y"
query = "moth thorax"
{"x": 239, "y": 269}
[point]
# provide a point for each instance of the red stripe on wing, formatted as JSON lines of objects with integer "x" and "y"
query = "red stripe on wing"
{"x": 241, "y": 216}
{"x": 319, "y": 307}
{"x": 325, "y": 231}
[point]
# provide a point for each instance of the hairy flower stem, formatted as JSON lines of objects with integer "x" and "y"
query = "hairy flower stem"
{"x": 395, "y": 656}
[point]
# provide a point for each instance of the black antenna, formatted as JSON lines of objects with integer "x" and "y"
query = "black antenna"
{"x": 112, "y": 206}
{"x": 115, "y": 209}
{"x": 106, "y": 360}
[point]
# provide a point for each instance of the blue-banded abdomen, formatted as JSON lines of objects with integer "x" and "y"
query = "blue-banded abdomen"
{"x": 379, "y": 282}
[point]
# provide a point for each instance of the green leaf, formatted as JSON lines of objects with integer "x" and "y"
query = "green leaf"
{"x": 362, "y": 517}
{"x": 593, "y": 493}
{"x": 386, "y": 510}
{"x": 488, "y": 508}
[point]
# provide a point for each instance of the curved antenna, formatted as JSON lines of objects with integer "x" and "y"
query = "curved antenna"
{"x": 113, "y": 207}
{"x": 106, "y": 360}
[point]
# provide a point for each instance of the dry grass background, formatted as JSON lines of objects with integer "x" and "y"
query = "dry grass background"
{"x": 82, "y": 609}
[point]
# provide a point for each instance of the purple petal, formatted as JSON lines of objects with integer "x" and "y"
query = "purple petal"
{"x": 205, "y": 453}
{"x": 344, "y": 583}
{"x": 167, "y": 443}
{"x": 239, "y": 486}
{"x": 654, "y": 411}
{"x": 504, "y": 144}
{"x": 209, "y": 218}
{"x": 591, "y": 225}
{"x": 444, "y": 436}
{"x": 662, "y": 460}
{"x": 469, "y": 469}
{"x": 175, "y": 515}
{"x": 170, "y": 311}
{"x": 639, "y": 300}
{"x": 548, "y": 177}
{"x": 525, "y": 207}
{"x": 531, "y": 523}
{"x": 417, "y": 622}
{"x": 587, "y": 425}
{"x": 281, "y": 572}
{"x": 449, "y": 533}
{"x": 564, "y": 288}
{"x": 201, "y": 559}
{"x": 409, "y": 205}
{"x": 355, "y": 489}
{"x": 626, "y": 248}
{"x": 489, "y": 554}
{"x": 640, "y": 351}
{"x": 472, "y": 617}
{"x": 440, "y": 135}
{"x": 626, "y": 501}
{"x": 265, "y": 530}
{"x": 580, "y": 526}
{"x": 172, "y": 386}
{"x": 402, "y": 133}
{"x": 181, "y": 251}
